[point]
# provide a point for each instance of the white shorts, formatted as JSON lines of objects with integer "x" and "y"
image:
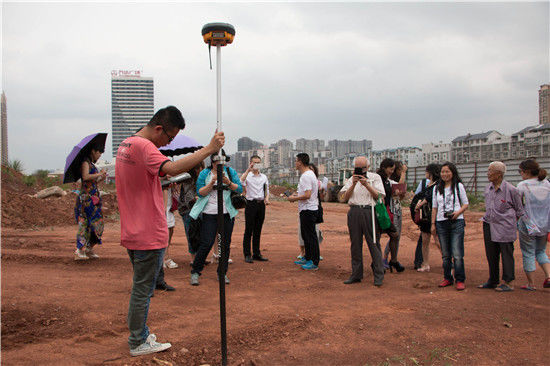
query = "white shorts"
{"x": 170, "y": 218}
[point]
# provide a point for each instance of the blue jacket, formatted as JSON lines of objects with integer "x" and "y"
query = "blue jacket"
{"x": 204, "y": 178}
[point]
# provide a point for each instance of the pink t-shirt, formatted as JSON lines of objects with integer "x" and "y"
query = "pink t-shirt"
{"x": 139, "y": 194}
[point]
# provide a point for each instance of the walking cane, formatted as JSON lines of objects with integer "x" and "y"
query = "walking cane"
{"x": 219, "y": 35}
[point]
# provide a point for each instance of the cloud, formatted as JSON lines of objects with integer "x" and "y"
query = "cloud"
{"x": 395, "y": 73}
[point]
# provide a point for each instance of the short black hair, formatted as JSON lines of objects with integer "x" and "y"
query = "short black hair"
{"x": 304, "y": 158}
{"x": 255, "y": 156}
{"x": 168, "y": 117}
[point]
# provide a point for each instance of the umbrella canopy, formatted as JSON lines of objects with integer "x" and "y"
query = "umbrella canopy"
{"x": 180, "y": 145}
{"x": 79, "y": 153}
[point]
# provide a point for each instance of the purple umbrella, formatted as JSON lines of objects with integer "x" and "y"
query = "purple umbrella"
{"x": 79, "y": 152}
{"x": 180, "y": 145}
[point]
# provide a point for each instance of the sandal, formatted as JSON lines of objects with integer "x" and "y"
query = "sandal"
{"x": 504, "y": 288}
{"x": 528, "y": 288}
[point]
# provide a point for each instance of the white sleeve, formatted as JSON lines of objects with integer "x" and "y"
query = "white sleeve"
{"x": 346, "y": 185}
{"x": 434, "y": 197}
{"x": 379, "y": 186}
{"x": 463, "y": 195}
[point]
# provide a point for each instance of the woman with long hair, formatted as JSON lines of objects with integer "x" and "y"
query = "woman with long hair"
{"x": 533, "y": 227}
{"x": 398, "y": 177}
{"x": 386, "y": 169}
{"x": 448, "y": 206}
{"x": 88, "y": 207}
{"x": 426, "y": 187}
{"x": 207, "y": 205}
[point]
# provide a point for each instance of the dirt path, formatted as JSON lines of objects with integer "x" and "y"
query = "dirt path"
{"x": 56, "y": 311}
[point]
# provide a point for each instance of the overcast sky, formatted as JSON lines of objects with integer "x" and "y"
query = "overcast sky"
{"x": 398, "y": 74}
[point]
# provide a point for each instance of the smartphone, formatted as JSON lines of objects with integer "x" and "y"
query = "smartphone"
{"x": 287, "y": 193}
{"x": 359, "y": 171}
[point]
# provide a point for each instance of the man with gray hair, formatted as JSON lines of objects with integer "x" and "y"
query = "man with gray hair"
{"x": 361, "y": 191}
{"x": 502, "y": 209}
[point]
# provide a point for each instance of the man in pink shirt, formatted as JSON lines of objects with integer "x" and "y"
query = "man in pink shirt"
{"x": 144, "y": 231}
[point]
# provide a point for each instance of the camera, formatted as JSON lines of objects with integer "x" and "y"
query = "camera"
{"x": 359, "y": 171}
{"x": 448, "y": 214}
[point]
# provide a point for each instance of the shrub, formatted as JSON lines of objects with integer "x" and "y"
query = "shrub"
{"x": 16, "y": 165}
{"x": 29, "y": 180}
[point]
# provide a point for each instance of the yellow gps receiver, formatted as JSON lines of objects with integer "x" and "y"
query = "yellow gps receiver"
{"x": 218, "y": 34}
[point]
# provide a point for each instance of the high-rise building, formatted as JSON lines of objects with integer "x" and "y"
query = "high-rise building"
{"x": 340, "y": 148}
{"x": 132, "y": 101}
{"x": 246, "y": 143}
{"x": 544, "y": 104}
{"x": 4, "y": 118}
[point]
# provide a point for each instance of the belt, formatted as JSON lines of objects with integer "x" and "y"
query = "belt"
{"x": 360, "y": 206}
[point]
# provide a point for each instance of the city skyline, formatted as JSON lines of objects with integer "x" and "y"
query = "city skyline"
{"x": 397, "y": 74}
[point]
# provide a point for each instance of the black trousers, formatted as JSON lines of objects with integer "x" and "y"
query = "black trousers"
{"x": 254, "y": 215}
{"x": 309, "y": 235}
{"x": 493, "y": 250}
{"x": 209, "y": 230}
{"x": 418, "y": 260}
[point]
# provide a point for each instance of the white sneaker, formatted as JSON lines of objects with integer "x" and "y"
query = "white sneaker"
{"x": 90, "y": 253}
{"x": 80, "y": 255}
{"x": 149, "y": 346}
{"x": 230, "y": 261}
{"x": 169, "y": 263}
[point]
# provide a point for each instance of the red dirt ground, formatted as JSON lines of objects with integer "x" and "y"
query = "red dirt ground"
{"x": 56, "y": 311}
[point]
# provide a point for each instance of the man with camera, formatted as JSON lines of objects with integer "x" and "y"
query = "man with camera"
{"x": 256, "y": 187}
{"x": 361, "y": 191}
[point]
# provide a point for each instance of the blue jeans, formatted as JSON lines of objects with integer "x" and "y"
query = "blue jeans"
{"x": 532, "y": 247}
{"x": 146, "y": 264}
{"x": 451, "y": 237}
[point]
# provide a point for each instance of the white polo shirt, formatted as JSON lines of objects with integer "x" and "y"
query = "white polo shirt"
{"x": 255, "y": 186}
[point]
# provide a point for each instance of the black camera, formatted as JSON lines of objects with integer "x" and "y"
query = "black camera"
{"x": 448, "y": 214}
{"x": 359, "y": 171}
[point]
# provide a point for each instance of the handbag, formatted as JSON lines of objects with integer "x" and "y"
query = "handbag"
{"x": 238, "y": 200}
{"x": 382, "y": 215}
{"x": 319, "y": 219}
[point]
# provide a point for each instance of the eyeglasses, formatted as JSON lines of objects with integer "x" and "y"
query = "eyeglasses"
{"x": 170, "y": 138}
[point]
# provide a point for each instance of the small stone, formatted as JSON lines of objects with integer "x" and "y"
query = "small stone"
{"x": 508, "y": 325}
{"x": 184, "y": 350}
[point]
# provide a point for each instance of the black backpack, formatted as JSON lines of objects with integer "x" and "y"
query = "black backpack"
{"x": 426, "y": 209}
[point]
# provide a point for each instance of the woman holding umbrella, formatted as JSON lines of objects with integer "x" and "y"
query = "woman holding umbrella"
{"x": 88, "y": 205}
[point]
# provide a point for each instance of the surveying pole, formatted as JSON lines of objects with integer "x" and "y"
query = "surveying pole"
{"x": 220, "y": 35}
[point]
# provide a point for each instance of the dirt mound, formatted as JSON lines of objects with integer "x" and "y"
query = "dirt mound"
{"x": 277, "y": 191}
{"x": 21, "y": 210}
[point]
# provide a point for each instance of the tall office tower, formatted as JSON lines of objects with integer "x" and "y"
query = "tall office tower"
{"x": 132, "y": 101}
{"x": 544, "y": 104}
{"x": 246, "y": 143}
{"x": 4, "y": 118}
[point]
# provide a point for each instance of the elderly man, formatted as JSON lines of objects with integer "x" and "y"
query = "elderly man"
{"x": 361, "y": 192}
{"x": 502, "y": 209}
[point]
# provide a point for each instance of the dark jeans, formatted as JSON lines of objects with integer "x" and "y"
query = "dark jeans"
{"x": 493, "y": 250}
{"x": 254, "y": 214}
{"x": 451, "y": 237}
{"x": 146, "y": 265}
{"x": 209, "y": 230}
{"x": 418, "y": 259}
{"x": 186, "y": 222}
{"x": 309, "y": 235}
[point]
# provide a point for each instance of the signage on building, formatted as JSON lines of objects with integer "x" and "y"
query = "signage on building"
{"x": 126, "y": 73}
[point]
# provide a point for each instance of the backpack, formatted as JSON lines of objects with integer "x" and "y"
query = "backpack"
{"x": 424, "y": 215}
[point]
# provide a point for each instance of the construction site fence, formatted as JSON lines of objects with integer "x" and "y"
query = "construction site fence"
{"x": 473, "y": 175}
